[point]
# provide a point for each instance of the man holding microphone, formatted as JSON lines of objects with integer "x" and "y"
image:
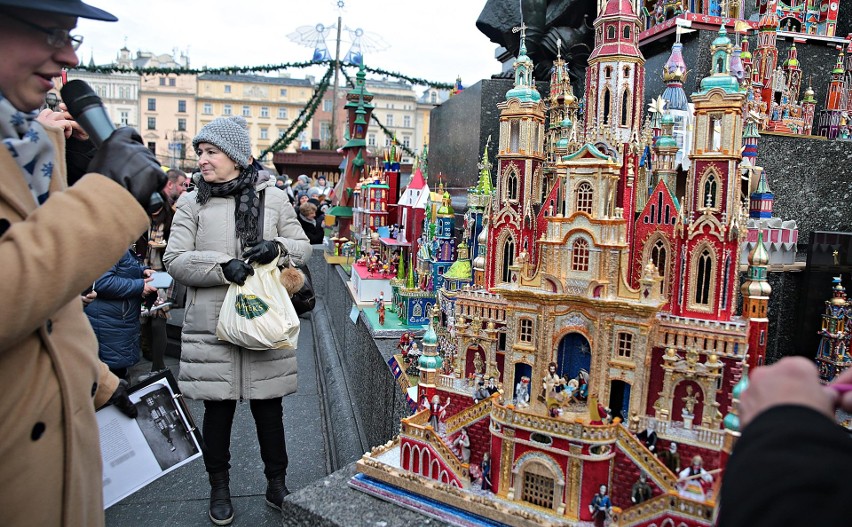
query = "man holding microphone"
{"x": 54, "y": 242}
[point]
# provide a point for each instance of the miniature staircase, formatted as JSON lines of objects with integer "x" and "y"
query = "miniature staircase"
{"x": 646, "y": 460}
{"x": 468, "y": 416}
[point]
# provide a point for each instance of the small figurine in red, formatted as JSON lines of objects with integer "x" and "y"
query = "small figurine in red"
{"x": 381, "y": 311}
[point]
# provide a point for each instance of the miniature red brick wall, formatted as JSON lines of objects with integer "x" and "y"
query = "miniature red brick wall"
{"x": 655, "y": 382}
{"x": 624, "y": 474}
{"x": 480, "y": 439}
{"x": 680, "y": 521}
{"x": 678, "y": 404}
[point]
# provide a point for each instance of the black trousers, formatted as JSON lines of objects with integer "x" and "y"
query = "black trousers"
{"x": 269, "y": 421}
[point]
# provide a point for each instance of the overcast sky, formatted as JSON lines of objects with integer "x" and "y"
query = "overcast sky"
{"x": 435, "y": 40}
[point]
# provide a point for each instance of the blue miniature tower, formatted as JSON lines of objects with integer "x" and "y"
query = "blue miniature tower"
{"x": 760, "y": 201}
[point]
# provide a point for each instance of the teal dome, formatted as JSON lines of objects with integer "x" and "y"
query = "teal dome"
{"x": 524, "y": 94}
{"x": 566, "y": 123}
{"x": 732, "y": 422}
{"x": 740, "y": 388}
{"x": 430, "y": 338}
{"x": 666, "y": 141}
{"x": 562, "y": 143}
{"x": 430, "y": 362}
{"x": 727, "y": 82}
{"x": 668, "y": 118}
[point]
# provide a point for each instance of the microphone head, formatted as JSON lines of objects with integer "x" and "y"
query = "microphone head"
{"x": 77, "y": 96}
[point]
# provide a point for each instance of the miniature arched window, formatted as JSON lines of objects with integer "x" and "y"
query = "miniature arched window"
{"x": 514, "y": 135}
{"x": 610, "y": 32}
{"x": 625, "y": 106}
{"x": 608, "y": 72}
{"x": 512, "y": 186}
{"x": 659, "y": 257}
{"x": 626, "y": 32}
{"x": 607, "y": 106}
{"x": 580, "y": 255}
{"x": 508, "y": 259}
{"x": 585, "y": 194}
{"x": 704, "y": 277}
{"x": 626, "y": 72}
{"x": 714, "y": 133}
{"x": 709, "y": 191}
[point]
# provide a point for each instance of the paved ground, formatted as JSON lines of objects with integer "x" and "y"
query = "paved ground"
{"x": 180, "y": 497}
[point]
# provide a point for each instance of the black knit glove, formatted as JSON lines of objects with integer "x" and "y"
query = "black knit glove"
{"x": 122, "y": 401}
{"x": 237, "y": 271}
{"x": 124, "y": 159}
{"x": 262, "y": 252}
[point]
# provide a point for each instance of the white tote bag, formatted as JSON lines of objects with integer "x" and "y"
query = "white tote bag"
{"x": 259, "y": 314}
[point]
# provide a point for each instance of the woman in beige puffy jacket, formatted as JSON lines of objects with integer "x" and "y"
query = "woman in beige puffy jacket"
{"x": 212, "y": 243}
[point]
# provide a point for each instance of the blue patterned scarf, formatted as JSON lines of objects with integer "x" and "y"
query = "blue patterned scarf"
{"x": 30, "y": 146}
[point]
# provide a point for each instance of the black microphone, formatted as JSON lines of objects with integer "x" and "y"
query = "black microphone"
{"x": 88, "y": 110}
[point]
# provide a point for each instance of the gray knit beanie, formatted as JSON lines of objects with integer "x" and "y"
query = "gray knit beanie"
{"x": 230, "y": 135}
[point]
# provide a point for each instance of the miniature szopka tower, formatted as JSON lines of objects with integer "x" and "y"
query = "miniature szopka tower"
{"x": 709, "y": 261}
{"x": 756, "y": 291}
{"x": 429, "y": 363}
{"x": 766, "y": 53}
{"x": 519, "y": 170}
{"x": 830, "y": 116}
{"x": 833, "y": 354}
{"x": 355, "y": 150}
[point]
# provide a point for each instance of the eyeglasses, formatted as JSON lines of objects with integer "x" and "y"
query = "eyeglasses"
{"x": 58, "y": 38}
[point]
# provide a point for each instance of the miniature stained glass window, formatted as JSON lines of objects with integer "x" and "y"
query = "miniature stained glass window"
{"x": 625, "y": 106}
{"x": 512, "y": 186}
{"x": 709, "y": 191}
{"x": 580, "y": 255}
{"x": 585, "y": 195}
{"x": 607, "y": 106}
{"x": 658, "y": 257}
{"x": 508, "y": 259}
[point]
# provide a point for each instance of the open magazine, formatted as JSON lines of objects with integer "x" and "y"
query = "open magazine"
{"x": 162, "y": 438}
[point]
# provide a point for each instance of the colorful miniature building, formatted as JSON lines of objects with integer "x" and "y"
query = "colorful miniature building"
{"x": 780, "y": 236}
{"x": 809, "y": 17}
{"x": 603, "y": 313}
{"x": 833, "y": 355}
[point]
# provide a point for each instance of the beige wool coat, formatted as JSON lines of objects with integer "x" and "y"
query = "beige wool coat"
{"x": 51, "y": 378}
{"x": 202, "y": 238}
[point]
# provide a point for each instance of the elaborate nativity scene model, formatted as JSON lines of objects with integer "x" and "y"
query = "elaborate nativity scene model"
{"x": 589, "y": 332}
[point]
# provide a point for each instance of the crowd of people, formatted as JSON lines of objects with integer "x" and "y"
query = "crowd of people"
{"x": 60, "y": 361}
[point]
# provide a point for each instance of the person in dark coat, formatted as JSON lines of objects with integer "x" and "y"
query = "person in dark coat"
{"x": 114, "y": 314}
{"x": 311, "y": 224}
{"x": 791, "y": 464}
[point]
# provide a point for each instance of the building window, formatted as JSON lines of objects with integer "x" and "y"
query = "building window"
{"x": 327, "y": 105}
{"x": 181, "y": 106}
{"x": 182, "y": 125}
{"x": 152, "y": 123}
{"x": 626, "y": 32}
{"x": 371, "y": 139}
{"x": 607, "y": 106}
{"x": 625, "y": 345}
{"x": 171, "y": 81}
{"x": 658, "y": 258}
{"x": 525, "y": 330}
{"x": 389, "y": 120}
{"x": 580, "y": 255}
{"x": 227, "y": 88}
{"x": 152, "y": 147}
{"x": 264, "y": 111}
{"x": 207, "y": 109}
{"x": 162, "y": 81}
{"x": 625, "y": 106}
{"x": 282, "y": 113}
{"x": 512, "y": 186}
{"x": 152, "y": 105}
{"x": 406, "y": 141}
{"x": 325, "y": 131}
{"x": 508, "y": 260}
{"x": 227, "y": 110}
{"x": 283, "y": 92}
{"x": 607, "y": 72}
{"x": 704, "y": 278}
{"x": 406, "y": 121}
{"x": 585, "y": 195}
{"x": 514, "y": 135}
{"x": 124, "y": 118}
{"x": 246, "y": 111}
{"x": 709, "y": 191}
{"x": 264, "y": 133}
{"x": 610, "y": 32}
{"x": 433, "y": 98}
{"x": 714, "y": 134}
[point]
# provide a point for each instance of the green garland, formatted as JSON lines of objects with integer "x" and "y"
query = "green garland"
{"x": 264, "y": 68}
{"x": 303, "y": 118}
{"x": 390, "y": 133}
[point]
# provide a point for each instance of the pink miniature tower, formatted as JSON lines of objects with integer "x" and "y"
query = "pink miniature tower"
{"x": 766, "y": 54}
{"x": 833, "y": 354}
{"x": 808, "y": 109}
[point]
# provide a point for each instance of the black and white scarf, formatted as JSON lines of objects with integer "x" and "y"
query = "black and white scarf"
{"x": 246, "y": 200}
